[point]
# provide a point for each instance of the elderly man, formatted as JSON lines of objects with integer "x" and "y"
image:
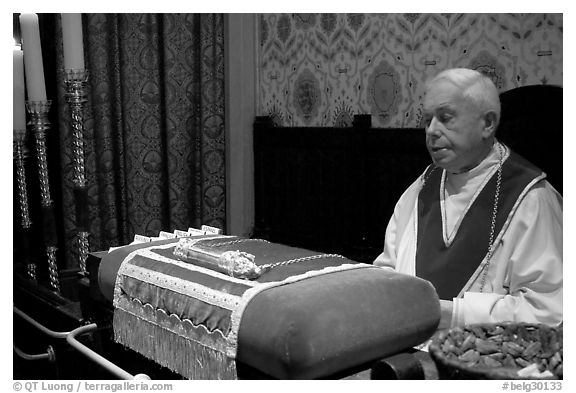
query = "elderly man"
{"x": 481, "y": 224}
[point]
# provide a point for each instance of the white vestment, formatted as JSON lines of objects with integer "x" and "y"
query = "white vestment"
{"x": 524, "y": 277}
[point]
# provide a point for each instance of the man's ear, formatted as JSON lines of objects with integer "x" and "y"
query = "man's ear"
{"x": 490, "y": 124}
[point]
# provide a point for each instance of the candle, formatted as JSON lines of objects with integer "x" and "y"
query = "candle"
{"x": 72, "y": 41}
{"x": 18, "y": 101}
{"x": 33, "y": 65}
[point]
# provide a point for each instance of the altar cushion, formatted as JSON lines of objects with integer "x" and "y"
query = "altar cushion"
{"x": 323, "y": 325}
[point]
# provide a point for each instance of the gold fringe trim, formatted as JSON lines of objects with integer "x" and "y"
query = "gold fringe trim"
{"x": 181, "y": 355}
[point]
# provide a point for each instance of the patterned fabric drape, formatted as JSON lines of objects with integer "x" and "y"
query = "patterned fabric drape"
{"x": 154, "y": 127}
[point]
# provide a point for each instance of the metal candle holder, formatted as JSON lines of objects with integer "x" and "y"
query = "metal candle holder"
{"x": 76, "y": 81}
{"x": 20, "y": 156}
{"x": 40, "y": 124}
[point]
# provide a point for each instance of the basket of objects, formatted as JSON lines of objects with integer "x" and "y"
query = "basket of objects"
{"x": 499, "y": 351}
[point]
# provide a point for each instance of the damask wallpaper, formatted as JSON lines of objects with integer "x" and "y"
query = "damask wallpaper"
{"x": 321, "y": 69}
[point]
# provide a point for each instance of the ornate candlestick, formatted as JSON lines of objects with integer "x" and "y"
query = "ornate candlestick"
{"x": 20, "y": 156}
{"x": 75, "y": 96}
{"x": 40, "y": 124}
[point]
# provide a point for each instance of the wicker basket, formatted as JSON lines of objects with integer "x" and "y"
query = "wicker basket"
{"x": 498, "y": 351}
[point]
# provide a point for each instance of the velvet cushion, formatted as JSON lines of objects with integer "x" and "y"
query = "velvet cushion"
{"x": 326, "y": 324}
{"x": 322, "y": 326}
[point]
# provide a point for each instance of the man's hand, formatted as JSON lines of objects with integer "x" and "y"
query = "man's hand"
{"x": 445, "y": 314}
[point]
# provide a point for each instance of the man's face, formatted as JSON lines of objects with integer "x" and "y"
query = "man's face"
{"x": 454, "y": 128}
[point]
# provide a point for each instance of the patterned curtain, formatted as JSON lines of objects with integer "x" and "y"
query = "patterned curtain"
{"x": 154, "y": 127}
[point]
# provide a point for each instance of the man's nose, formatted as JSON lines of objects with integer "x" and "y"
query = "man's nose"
{"x": 433, "y": 129}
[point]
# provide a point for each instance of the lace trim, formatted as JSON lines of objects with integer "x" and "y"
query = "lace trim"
{"x": 183, "y": 287}
{"x": 162, "y": 318}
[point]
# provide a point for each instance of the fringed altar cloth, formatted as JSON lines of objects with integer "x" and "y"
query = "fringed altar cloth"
{"x": 304, "y": 315}
{"x": 186, "y": 316}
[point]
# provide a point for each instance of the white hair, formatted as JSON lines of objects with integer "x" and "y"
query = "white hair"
{"x": 475, "y": 86}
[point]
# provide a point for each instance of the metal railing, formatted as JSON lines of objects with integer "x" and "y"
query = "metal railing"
{"x": 50, "y": 355}
{"x": 73, "y": 342}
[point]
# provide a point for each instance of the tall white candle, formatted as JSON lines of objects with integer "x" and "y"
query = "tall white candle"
{"x": 33, "y": 65}
{"x": 72, "y": 41}
{"x": 18, "y": 101}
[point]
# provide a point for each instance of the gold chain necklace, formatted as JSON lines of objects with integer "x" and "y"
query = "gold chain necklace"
{"x": 494, "y": 214}
{"x": 270, "y": 266}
